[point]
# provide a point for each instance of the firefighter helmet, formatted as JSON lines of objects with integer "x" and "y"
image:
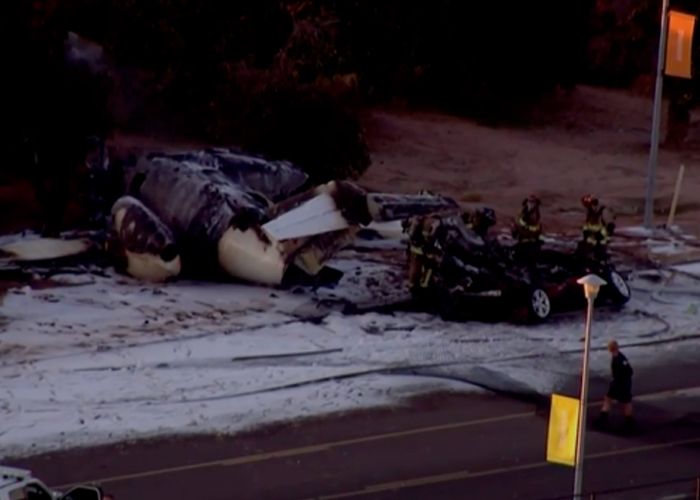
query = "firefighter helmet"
{"x": 589, "y": 201}
{"x": 487, "y": 215}
{"x": 532, "y": 200}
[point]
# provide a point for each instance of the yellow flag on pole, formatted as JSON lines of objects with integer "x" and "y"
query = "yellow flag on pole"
{"x": 563, "y": 427}
{"x": 679, "y": 44}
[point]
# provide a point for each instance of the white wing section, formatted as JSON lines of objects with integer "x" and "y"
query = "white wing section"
{"x": 318, "y": 215}
{"x": 44, "y": 249}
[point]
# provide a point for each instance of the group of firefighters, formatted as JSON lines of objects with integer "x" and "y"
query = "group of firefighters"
{"x": 596, "y": 231}
{"x": 425, "y": 251}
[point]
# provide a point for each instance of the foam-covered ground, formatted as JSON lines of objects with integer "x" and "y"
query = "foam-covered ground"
{"x": 108, "y": 359}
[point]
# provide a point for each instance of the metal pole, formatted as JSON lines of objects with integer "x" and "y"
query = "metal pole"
{"x": 697, "y": 488}
{"x": 656, "y": 118}
{"x": 676, "y": 195}
{"x": 583, "y": 403}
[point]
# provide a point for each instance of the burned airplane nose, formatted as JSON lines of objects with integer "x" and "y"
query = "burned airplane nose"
{"x": 141, "y": 243}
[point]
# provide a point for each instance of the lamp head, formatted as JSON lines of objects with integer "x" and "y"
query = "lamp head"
{"x": 591, "y": 284}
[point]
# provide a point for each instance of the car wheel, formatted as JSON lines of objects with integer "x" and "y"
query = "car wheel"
{"x": 620, "y": 290}
{"x": 540, "y": 306}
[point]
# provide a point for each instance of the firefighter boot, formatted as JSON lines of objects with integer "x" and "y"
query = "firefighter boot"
{"x": 425, "y": 279}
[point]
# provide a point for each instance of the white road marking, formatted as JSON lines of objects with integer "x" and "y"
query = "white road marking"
{"x": 677, "y": 497}
{"x": 688, "y": 392}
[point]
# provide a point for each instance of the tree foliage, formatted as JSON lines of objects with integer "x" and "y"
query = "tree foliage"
{"x": 622, "y": 42}
{"x": 624, "y": 46}
{"x": 274, "y": 76}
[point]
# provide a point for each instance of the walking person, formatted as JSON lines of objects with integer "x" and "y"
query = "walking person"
{"x": 620, "y": 388}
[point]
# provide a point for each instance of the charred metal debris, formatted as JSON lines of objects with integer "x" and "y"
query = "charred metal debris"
{"x": 222, "y": 214}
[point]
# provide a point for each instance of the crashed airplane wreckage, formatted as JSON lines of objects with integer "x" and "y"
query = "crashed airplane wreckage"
{"x": 222, "y": 212}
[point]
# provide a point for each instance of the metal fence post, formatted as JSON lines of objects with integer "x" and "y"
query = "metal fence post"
{"x": 697, "y": 488}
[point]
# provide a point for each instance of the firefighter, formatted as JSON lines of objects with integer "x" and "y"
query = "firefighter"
{"x": 528, "y": 229}
{"x": 596, "y": 231}
{"x": 480, "y": 221}
{"x": 423, "y": 252}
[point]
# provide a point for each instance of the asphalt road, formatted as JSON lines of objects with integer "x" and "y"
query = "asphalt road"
{"x": 440, "y": 447}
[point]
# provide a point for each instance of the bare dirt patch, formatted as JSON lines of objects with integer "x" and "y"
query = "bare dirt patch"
{"x": 594, "y": 140}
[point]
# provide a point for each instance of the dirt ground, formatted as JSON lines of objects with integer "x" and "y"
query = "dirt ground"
{"x": 592, "y": 141}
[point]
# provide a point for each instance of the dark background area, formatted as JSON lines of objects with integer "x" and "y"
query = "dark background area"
{"x": 290, "y": 79}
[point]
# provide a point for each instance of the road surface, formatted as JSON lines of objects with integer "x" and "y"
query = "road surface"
{"x": 441, "y": 447}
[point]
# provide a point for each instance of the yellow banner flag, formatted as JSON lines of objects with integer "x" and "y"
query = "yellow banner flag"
{"x": 679, "y": 44}
{"x": 563, "y": 427}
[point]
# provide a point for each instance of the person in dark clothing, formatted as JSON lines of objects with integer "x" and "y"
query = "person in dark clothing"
{"x": 620, "y": 388}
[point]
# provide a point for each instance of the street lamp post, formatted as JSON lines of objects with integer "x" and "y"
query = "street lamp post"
{"x": 591, "y": 285}
{"x": 656, "y": 118}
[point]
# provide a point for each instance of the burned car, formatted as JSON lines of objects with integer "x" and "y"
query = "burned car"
{"x": 463, "y": 275}
{"x": 558, "y": 271}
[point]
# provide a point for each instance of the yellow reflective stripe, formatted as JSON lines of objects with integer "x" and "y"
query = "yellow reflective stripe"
{"x": 533, "y": 228}
{"x": 595, "y": 241}
{"x": 416, "y": 250}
